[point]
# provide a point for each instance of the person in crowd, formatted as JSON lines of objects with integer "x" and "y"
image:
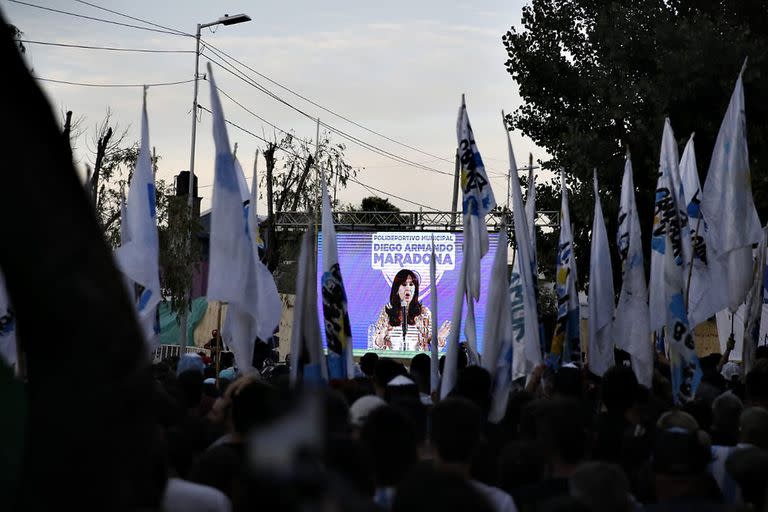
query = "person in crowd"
{"x": 227, "y": 365}
{"x": 253, "y": 403}
{"x": 421, "y": 371}
{"x": 726, "y": 410}
{"x": 558, "y": 428}
{"x": 404, "y": 322}
{"x": 448, "y": 490}
{"x": 602, "y": 487}
{"x": 386, "y": 370}
{"x": 368, "y": 363}
{"x": 457, "y": 426}
{"x": 756, "y": 384}
{"x": 390, "y": 440}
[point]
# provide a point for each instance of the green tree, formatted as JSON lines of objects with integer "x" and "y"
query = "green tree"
{"x": 107, "y": 185}
{"x": 292, "y": 183}
{"x": 598, "y": 77}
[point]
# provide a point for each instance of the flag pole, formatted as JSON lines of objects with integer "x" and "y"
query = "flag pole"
{"x": 218, "y": 343}
{"x": 690, "y": 269}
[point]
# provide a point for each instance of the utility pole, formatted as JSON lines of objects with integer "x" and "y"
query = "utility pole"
{"x": 454, "y": 204}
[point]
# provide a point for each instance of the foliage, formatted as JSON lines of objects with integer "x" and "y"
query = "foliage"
{"x": 295, "y": 178}
{"x": 598, "y": 77}
{"x": 173, "y": 215}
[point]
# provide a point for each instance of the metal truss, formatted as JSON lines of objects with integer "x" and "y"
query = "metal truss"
{"x": 410, "y": 221}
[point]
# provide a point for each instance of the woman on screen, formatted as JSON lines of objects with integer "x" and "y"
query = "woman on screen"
{"x": 404, "y": 323}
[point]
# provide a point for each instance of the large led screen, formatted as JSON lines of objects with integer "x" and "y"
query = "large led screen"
{"x": 386, "y": 276}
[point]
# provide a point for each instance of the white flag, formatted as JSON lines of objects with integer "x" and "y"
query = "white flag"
{"x": 269, "y": 307}
{"x": 668, "y": 273}
{"x": 526, "y": 333}
{"x": 706, "y": 274}
{"x": 450, "y": 370}
{"x": 478, "y": 200}
{"x": 601, "y": 307}
{"x": 233, "y": 267}
{"x": 631, "y": 322}
{"x": 754, "y": 306}
{"x": 338, "y": 331}
{"x": 307, "y": 361}
{"x": 139, "y": 256}
{"x": 7, "y": 327}
{"x": 498, "y": 307}
{"x": 499, "y": 344}
{"x": 530, "y": 215}
{"x": 728, "y": 205}
{"x": 565, "y": 340}
{"x": 670, "y": 216}
{"x": 434, "y": 366}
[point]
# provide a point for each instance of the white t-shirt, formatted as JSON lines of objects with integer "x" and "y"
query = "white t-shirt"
{"x": 183, "y": 496}
{"x": 498, "y": 499}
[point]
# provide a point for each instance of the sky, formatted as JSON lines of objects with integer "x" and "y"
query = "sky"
{"x": 397, "y": 67}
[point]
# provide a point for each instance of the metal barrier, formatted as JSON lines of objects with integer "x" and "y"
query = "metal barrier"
{"x": 167, "y": 351}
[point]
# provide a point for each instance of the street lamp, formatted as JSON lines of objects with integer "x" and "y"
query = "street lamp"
{"x": 224, "y": 20}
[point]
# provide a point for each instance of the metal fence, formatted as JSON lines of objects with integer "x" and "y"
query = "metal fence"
{"x": 391, "y": 221}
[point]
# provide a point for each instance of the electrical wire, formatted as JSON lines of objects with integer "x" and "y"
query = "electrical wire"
{"x": 223, "y": 54}
{"x": 350, "y": 178}
{"x": 85, "y": 84}
{"x": 381, "y": 152}
{"x": 326, "y": 109}
{"x": 109, "y": 48}
{"x": 102, "y": 20}
{"x": 179, "y": 32}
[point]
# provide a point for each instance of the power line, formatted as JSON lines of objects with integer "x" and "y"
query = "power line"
{"x": 368, "y": 187}
{"x": 109, "y": 48}
{"x": 222, "y": 53}
{"x": 233, "y": 100}
{"x": 325, "y": 109}
{"x": 179, "y": 32}
{"x": 102, "y": 20}
{"x": 371, "y": 147}
{"x": 85, "y": 84}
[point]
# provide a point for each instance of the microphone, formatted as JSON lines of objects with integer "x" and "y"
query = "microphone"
{"x": 404, "y": 314}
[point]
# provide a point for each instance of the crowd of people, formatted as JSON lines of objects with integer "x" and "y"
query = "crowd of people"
{"x": 569, "y": 441}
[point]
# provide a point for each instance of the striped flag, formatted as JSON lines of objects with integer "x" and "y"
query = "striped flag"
{"x": 338, "y": 332}
{"x": 565, "y": 340}
{"x": 139, "y": 255}
{"x": 632, "y": 310}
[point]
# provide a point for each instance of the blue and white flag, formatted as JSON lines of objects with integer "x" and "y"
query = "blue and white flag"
{"x": 233, "y": 275}
{"x": 754, "y": 306}
{"x": 668, "y": 273}
{"x": 728, "y": 206}
{"x": 7, "y": 327}
{"x": 139, "y": 256}
{"x": 307, "y": 362}
{"x": 632, "y": 310}
{"x": 477, "y": 201}
{"x": 522, "y": 287}
{"x": 706, "y": 274}
{"x": 338, "y": 331}
{"x": 601, "y": 308}
{"x": 566, "y": 346}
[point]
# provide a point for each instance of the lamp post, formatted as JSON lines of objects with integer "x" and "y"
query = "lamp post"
{"x": 224, "y": 20}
